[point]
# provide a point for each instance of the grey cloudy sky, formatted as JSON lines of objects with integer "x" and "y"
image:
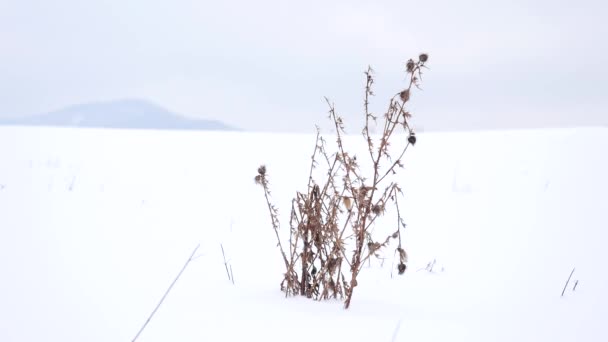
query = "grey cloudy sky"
{"x": 266, "y": 64}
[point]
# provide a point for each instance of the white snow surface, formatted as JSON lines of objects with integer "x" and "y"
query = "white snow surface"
{"x": 96, "y": 224}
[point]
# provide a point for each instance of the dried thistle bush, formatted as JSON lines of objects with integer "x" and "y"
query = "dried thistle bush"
{"x": 331, "y": 235}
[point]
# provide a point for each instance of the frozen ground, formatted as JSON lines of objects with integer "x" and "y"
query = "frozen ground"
{"x": 95, "y": 224}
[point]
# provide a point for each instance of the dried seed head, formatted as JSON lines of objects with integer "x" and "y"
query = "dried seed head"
{"x": 258, "y": 179}
{"x": 347, "y": 203}
{"x": 367, "y": 188}
{"x": 262, "y": 170}
{"x": 401, "y": 268}
{"x": 331, "y": 265}
{"x": 410, "y": 65}
{"x": 412, "y": 139}
{"x": 373, "y": 246}
{"x": 395, "y": 235}
{"x": 315, "y": 191}
{"x": 405, "y": 95}
{"x": 423, "y": 57}
{"x": 377, "y": 209}
{"x": 402, "y": 255}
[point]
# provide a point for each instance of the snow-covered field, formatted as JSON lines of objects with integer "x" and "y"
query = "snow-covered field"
{"x": 96, "y": 224}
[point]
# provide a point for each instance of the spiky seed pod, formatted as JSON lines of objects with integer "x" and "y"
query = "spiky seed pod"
{"x": 262, "y": 170}
{"x": 423, "y": 57}
{"x": 405, "y": 95}
{"x": 258, "y": 179}
{"x": 395, "y": 235}
{"x": 401, "y": 268}
{"x": 410, "y": 65}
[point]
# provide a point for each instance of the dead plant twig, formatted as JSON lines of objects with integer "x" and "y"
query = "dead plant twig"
{"x": 567, "y": 281}
{"x": 166, "y": 293}
{"x": 229, "y": 273}
{"x": 333, "y": 222}
{"x": 396, "y": 331}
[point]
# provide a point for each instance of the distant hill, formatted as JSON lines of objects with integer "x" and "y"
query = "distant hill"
{"x": 131, "y": 114}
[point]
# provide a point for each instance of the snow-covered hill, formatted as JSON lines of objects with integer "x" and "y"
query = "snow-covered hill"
{"x": 126, "y": 114}
{"x": 95, "y": 225}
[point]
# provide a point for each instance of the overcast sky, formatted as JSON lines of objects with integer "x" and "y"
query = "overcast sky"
{"x": 266, "y": 64}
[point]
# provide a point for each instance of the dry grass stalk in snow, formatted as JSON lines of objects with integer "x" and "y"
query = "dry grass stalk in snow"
{"x": 331, "y": 235}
